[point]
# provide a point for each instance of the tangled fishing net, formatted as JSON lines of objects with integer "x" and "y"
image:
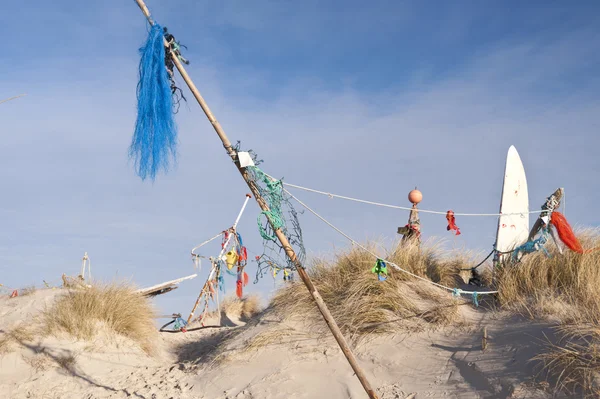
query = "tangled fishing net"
{"x": 281, "y": 215}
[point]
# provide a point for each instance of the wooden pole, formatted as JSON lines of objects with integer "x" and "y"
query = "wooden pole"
{"x": 335, "y": 330}
{"x": 232, "y": 231}
{"x": 411, "y": 232}
{"x": 484, "y": 339}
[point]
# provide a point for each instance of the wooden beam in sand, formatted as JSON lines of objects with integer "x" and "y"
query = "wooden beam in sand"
{"x": 335, "y": 330}
{"x": 163, "y": 288}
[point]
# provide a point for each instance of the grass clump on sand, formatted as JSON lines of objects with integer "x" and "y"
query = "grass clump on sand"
{"x": 242, "y": 309}
{"x": 565, "y": 287}
{"x": 14, "y": 336}
{"x": 362, "y": 305}
{"x": 117, "y": 307}
{"x": 570, "y": 279}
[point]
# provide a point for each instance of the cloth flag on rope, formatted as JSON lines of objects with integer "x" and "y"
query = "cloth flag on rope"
{"x": 452, "y": 222}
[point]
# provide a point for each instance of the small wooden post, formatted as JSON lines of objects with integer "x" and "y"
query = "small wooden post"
{"x": 484, "y": 339}
{"x": 412, "y": 230}
{"x": 280, "y": 236}
{"x": 552, "y": 203}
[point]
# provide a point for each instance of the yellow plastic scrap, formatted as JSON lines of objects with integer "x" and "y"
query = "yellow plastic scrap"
{"x": 231, "y": 259}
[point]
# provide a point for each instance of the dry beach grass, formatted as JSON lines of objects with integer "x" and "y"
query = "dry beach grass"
{"x": 115, "y": 306}
{"x": 363, "y": 305}
{"x": 564, "y": 287}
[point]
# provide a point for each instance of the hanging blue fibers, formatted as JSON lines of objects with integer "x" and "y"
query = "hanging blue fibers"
{"x": 155, "y": 139}
{"x": 533, "y": 246}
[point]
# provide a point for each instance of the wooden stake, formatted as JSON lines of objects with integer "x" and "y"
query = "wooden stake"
{"x": 158, "y": 288}
{"x": 335, "y": 330}
{"x": 484, "y": 340}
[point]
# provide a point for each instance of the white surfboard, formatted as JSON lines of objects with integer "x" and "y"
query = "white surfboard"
{"x": 513, "y": 230}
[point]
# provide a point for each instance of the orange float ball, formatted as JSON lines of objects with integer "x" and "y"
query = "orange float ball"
{"x": 415, "y": 196}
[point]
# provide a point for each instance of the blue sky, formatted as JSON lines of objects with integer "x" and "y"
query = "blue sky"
{"x": 356, "y": 98}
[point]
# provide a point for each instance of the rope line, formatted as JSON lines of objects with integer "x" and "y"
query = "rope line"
{"x": 330, "y": 195}
{"x": 206, "y": 242}
{"x": 457, "y": 291}
{"x": 480, "y": 263}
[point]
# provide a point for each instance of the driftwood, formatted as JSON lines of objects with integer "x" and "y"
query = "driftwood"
{"x": 163, "y": 288}
{"x": 552, "y": 203}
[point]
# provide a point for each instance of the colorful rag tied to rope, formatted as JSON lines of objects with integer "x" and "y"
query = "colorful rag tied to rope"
{"x": 452, "y": 222}
{"x": 381, "y": 269}
{"x": 180, "y": 324}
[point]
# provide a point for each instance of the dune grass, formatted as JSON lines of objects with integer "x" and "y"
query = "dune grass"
{"x": 363, "y": 305}
{"x": 564, "y": 287}
{"x": 242, "y": 309}
{"x": 571, "y": 278}
{"x": 12, "y": 338}
{"x": 114, "y": 306}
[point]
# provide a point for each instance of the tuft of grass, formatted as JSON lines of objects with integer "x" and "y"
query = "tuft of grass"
{"x": 17, "y": 335}
{"x": 243, "y": 309}
{"x": 575, "y": 360}
{"x": 5, "y": 344}
{"x": 363, "y": 305}
{"x": 27, "y": 290}
{"x": 81, "y": 313}
{"x": 280, "y": 335}
{"x": 571, "y": 279}
{"x": 67, "y": 362}
{"x": 38, "y": 362}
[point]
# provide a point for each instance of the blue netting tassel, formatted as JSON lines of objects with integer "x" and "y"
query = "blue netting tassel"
{"x": 475, "y": 301}
{"x": 221, "y": 283}
{"x": 179, "y": 324}
{"x": 154, "y": 142}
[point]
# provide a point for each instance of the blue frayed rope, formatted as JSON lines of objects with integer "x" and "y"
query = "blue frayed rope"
{"x": 533, "y": 246}
{"x": 154, "y": 143}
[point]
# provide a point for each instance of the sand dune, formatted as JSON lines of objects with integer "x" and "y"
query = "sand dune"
{"x": 269, "y": 358}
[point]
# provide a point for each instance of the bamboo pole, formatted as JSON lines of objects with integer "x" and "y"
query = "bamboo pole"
{"x": 214, "y": 264}
{"x": 335, "y": 330}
